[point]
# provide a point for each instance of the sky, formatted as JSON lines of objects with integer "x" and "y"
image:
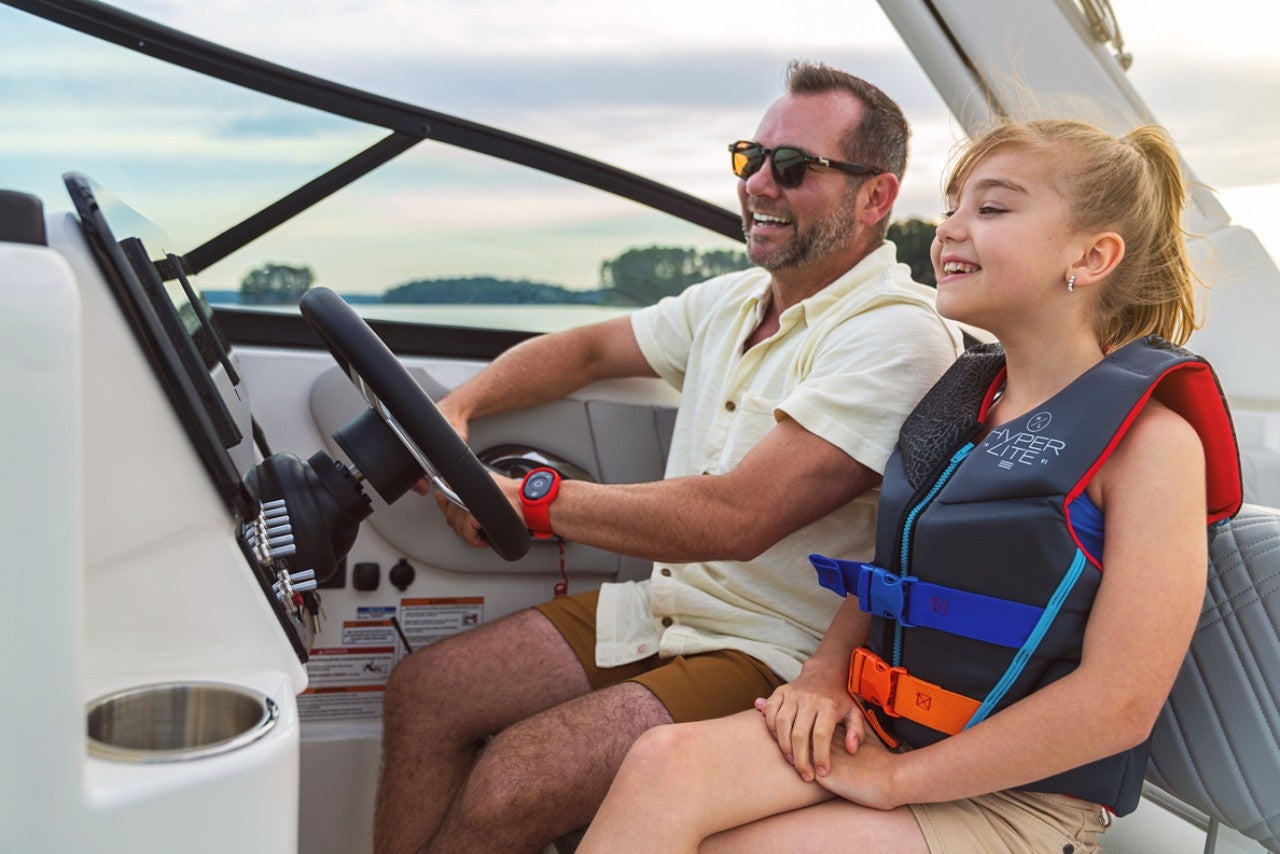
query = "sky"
{"x": 660, "y": 87}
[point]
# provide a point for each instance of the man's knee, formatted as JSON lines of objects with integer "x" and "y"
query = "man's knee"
{"x": 412, "y": 681}
{"x": 434, "y": 680}
{"x": 486, "y": 678}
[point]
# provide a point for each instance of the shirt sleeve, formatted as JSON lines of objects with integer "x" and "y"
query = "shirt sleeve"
{"x": 664, "y": 331}
{"x": 867, "y": 376}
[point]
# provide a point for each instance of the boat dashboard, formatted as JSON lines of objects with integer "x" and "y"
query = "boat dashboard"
{"x": 296, "y": 519}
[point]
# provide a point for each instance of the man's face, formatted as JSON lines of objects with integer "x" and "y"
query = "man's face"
{"x": 788, "y": 228}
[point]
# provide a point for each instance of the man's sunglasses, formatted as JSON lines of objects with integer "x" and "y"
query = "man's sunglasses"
{"x": 789, "y": 164}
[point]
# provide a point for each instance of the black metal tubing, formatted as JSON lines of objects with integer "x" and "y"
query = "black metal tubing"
{"x": 282, "y": 210}
{"x": 177, "y": 48}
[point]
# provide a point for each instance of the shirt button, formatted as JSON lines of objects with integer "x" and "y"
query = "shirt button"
{"x": 667, "y": 621}
{"x": 730, "y": 405}
{"x": 666, "y": 571}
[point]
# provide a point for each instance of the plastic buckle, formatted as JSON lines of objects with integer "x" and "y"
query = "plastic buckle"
{"x": 882, "y": 594}
{"x": 871, "y": 678}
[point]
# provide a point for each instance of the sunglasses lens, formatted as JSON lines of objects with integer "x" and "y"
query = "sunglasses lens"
{"x": 747, "y": 158}
{"x": 789, "y": 166}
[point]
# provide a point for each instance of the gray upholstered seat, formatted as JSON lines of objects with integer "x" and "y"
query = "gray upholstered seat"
{"x": 1216, "y": 744}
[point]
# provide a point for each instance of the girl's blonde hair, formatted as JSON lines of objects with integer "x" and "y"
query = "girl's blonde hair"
{"x": 1132, "y": 185}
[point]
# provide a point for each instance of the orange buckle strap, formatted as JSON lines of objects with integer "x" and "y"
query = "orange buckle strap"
{"x": 902, "y": 695}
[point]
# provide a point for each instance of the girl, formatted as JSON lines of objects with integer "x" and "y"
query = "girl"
{"x": 986, "y": 685}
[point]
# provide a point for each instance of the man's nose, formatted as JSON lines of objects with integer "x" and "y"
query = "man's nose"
{"x": 761, "y": 183}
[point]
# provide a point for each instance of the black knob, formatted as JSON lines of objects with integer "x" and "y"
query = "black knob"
{"x": 364, "y": 576}
{"x": 401, "y": 575}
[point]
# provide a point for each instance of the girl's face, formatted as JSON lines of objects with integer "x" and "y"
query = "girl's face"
{"x": 1005, "y": 247}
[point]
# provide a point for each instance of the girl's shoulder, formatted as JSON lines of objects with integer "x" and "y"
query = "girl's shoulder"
{"x": 1161, "y": 449}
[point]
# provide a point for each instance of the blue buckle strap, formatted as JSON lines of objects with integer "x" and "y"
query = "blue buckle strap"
{"x": 885, "y": 595}
{"x": 914, "y": 603}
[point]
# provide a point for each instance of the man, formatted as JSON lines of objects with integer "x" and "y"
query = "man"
{"x": 794, "y": 378}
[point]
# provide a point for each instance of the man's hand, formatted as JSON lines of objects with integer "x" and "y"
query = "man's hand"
{"x": 803, "y": 717}
{"x": 464, "y": 524}
{"x": 459, "y": 424}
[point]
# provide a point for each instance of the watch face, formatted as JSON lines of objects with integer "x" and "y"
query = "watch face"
{"x": 538, "y": 485}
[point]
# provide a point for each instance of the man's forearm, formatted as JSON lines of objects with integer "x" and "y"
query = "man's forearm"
{"x": 547, "y": 368}
{"x": 789, "y": 480}
{"x": 678, "y": 520}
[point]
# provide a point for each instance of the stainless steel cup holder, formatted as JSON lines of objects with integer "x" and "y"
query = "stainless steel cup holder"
{"x": 175, "y": 721}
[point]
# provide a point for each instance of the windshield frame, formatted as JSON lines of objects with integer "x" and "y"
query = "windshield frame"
{"x": 409, "y": 125}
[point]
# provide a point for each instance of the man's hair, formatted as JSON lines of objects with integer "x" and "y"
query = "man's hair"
{"x": 880, "y": 139}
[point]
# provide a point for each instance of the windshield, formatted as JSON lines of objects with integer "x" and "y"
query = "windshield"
{"x": 451, "y": 236}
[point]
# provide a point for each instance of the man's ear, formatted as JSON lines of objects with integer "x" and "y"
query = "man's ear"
{"x": 1102, "y": 254}
{"x": 880, "y": 192}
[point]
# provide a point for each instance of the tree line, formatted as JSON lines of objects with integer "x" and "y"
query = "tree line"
{"x": 637, "y": 277}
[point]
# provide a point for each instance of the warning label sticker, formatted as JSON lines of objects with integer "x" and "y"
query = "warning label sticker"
{"x": 425, "y": 621}
{"x": 349, "y": 680}
{"x": 354, "y": 665}
{"x": 355, "y": 701}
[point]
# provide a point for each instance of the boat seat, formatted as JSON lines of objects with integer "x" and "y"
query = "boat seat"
{"x": 1216, "y": 744}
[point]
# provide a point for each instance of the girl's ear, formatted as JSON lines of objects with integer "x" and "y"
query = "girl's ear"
{"x": 1102, "y": 254}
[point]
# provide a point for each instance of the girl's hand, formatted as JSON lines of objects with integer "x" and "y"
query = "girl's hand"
{"x": 803, "y": 716}
{"x": 863, "y": 777}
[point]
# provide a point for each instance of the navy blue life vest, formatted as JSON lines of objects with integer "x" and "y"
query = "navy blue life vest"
{"x": 993, "y": 519}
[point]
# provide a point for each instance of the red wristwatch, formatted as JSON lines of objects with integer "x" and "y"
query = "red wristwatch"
{"x": 538, "y": 490}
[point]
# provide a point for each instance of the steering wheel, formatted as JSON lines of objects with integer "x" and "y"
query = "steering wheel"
{"x": 412, "y": 416}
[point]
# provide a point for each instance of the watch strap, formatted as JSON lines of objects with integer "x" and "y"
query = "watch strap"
{"x": 537, "y": 517}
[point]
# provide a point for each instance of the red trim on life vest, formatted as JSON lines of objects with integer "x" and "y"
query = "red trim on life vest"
{"x": 989, "y": 400}
{"x": 1195, "y": 396}
{"x": 1096, "y": 560}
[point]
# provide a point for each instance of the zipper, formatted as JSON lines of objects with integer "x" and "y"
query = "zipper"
{"x": 904, "y": 556}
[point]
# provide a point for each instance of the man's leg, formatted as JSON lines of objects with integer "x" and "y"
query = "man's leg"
{"x": 546, "y": 776}
{"x": 441, "y": 703}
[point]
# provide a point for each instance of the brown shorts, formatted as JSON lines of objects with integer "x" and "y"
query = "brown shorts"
{"x": 693, "y": 687}
{"x": 1013, "y": 821}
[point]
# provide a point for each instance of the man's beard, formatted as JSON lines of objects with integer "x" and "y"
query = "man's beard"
{"x": 816, "y": 242}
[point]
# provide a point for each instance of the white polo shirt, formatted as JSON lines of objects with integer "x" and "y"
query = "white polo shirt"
{"x": 848, "y": 364}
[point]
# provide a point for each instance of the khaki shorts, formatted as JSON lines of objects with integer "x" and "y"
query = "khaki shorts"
{"x": 1013, "y": 821}
{"x": 693, "y": 687}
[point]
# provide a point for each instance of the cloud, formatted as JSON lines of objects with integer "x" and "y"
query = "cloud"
{"x": 658, "y": 88}
{"x": 1218, "y": 112}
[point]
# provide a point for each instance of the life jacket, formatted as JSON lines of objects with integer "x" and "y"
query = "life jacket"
{"x": 981, "y": 587}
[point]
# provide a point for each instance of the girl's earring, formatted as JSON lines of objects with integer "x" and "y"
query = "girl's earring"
{"x": 1071, "y": 283}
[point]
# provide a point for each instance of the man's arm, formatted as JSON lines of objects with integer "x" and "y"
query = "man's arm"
{"x": 789, "y": 479}
{"x": 547, "y": 368}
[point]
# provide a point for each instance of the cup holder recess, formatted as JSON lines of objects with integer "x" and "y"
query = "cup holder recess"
{"x": 175, "y": 721}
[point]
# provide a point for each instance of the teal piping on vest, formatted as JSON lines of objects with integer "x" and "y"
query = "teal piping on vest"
{"x": 1023, "y": 655}
{"x": 904, "y": 566}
